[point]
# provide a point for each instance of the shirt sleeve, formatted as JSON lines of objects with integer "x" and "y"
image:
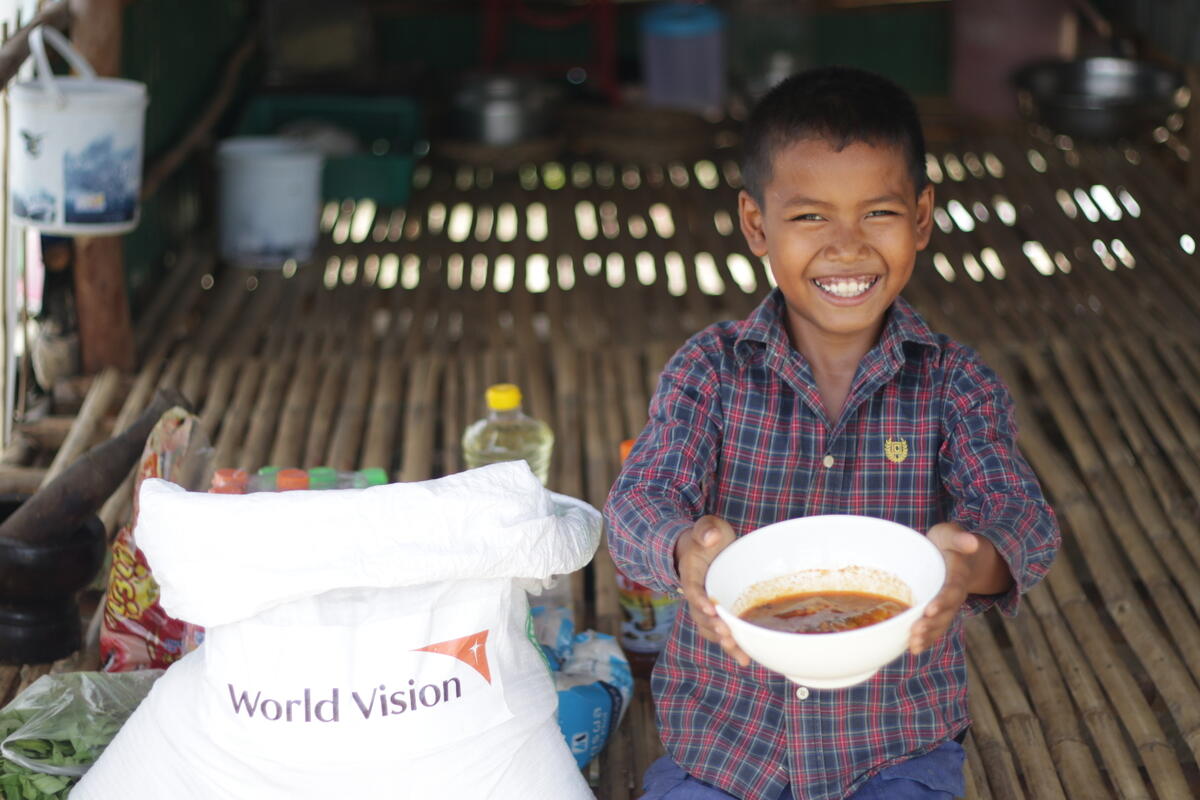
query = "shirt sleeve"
{"x": 661, "y": 488}
{"x": 995, "y": 493}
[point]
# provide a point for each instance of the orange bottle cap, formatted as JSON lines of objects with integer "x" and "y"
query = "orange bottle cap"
{"x": 289, "y": 479}
{"x": 228, "y": 480}
{"x": 626, "y": 446}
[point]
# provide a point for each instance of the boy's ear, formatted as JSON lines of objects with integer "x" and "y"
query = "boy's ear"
{"x": 924, "y": 216}
{"x": 751, "y": 218}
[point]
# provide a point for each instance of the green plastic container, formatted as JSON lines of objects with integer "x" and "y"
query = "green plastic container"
{"x": 388, "y": 123}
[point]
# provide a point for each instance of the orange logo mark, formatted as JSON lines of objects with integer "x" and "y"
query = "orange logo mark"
{"x": 471, "y": 650}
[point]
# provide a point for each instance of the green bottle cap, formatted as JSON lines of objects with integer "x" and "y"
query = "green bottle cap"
{"x": 373, "y": 476}
{"x": 322, "y": 478}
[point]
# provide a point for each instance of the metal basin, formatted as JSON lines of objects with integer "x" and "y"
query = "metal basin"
{"x": 1099, "y": 98}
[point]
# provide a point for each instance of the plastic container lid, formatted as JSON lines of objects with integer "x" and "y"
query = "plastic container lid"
{"x": 678, "y": 20}
{"x": 267, "y": 477}
{"x": 228, "y": 480}
{"x": 373, "y": 476}
{"x": 291, "y": 479}
{"x": 503, "y": 397}
{"x": 322, "y": 478}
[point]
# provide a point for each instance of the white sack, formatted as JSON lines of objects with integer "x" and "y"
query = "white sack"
{"x": 361, "y": 643}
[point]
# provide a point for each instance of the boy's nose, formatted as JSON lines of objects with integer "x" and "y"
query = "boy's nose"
{"x": 847, "y": 246}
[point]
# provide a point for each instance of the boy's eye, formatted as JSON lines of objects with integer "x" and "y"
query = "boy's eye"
{"x": 881, "y": 212}
{"x": 807, "y": 218}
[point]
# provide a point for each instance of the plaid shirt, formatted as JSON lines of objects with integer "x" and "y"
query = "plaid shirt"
{"x": 737, "y": 429}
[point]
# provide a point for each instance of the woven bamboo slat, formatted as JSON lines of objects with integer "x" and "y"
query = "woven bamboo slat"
{"x": 115, "y": 510}
{"x": 324, "y": 415}
{"x": 295, "y": 413}
{"x": 1077, "y": 671}
{"x": 453, "y": 420}
{"x": 17, "y": 479}
{"x": 178, "y": 290}
{"x": 1171, "y": 489}
{"x": 1048, "y": 694}
{"x": 420, "y": 420}
{"x": 1151, "y": 646}
{"x": 1131, "y": 477}
{"x": 1177, "y": 618}
{"x": 233, "y": 425}
{"x": 101, "y": 395}
{"x": 974, "y": 774}
{"x": 1169, "y": 438}
{"x": 350, "y": 420}
{"x": 264, "y": 415}
{"x": 1024, "y": 731}
{"x": 10, "y": 676}
{"x": 990, "y": 743}
{"x": 30, "y": 673}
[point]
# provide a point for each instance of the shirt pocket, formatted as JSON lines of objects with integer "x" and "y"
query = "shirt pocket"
{"x": 896, "y": 473}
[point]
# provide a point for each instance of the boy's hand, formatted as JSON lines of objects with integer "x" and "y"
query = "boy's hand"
{"x": 694, "y": 552}
{"x": 972, "y": 567}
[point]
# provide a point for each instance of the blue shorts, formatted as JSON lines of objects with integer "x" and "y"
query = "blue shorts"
{"x": 937, "y": 775}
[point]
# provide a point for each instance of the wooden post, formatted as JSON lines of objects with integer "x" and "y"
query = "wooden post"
{"x": 105, "y": 322}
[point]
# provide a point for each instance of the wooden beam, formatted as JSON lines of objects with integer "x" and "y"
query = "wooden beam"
{"x": 105, "y": 321}
{"x": 16, "y": 49}
{"x": 96, "y": 33}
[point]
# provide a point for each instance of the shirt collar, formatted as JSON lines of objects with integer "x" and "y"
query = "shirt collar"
{"x": 765, "y": 328}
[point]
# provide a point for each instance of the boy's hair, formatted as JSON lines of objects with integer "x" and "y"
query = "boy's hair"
{"x": 840, "y": 105}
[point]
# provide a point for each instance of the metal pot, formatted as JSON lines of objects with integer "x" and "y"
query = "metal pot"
{"x": 39, "y": 618}
{"x": 500, "y": 109}
{"x": 1098, "y": 98}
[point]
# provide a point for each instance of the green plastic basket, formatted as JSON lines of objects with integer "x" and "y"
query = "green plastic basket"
{"x": 392, "y": 121}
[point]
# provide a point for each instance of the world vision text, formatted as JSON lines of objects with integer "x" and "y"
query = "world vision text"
{"x": 329, "y": 706}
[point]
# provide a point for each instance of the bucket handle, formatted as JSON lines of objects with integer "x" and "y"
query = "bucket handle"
{"x": 38, "y": 47}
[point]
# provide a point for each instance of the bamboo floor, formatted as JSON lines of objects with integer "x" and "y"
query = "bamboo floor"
{"x": 1072, "y": 271}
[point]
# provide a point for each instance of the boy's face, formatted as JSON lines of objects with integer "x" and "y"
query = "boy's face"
{"x": 842, "y": 230}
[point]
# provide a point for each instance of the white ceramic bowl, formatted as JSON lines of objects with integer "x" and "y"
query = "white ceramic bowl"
{"x": 832, "y": 552}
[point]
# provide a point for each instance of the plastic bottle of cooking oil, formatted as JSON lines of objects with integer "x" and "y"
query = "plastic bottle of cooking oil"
{"x": 508, "y": 434}
{"x": 647, "y": 616}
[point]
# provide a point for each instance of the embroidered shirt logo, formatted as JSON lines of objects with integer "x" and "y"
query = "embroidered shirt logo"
{"x": 896, "y": 450}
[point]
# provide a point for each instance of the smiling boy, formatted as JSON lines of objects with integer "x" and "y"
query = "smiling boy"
{"x": 833, "y": 396}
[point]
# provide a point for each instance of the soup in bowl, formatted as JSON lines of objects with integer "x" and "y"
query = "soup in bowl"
{"x": 828, "y": 600}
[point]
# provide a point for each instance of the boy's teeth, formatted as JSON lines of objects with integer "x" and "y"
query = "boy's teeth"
{"x": 845, "y": 287}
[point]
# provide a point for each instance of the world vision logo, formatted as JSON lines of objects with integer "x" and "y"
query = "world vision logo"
{"x": 471, "y": 650}
{"x": 896, "y": 450}
{"x": 334, "y": 704}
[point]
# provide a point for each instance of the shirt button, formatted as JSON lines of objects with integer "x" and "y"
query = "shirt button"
{"x": 827, "y": 461}
{"x": 802, "y": 693}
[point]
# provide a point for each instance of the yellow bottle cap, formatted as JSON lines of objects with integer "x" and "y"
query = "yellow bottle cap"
{"x": 503, "y": 397}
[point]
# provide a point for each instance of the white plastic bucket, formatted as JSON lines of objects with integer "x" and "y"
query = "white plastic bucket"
{"x": 270, "y": 200}
{"x": 75, "y": 146}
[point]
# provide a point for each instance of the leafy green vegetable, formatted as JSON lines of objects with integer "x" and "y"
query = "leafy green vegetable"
{"x": 21, "y": 783}
{"x": 55, "y": 729}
